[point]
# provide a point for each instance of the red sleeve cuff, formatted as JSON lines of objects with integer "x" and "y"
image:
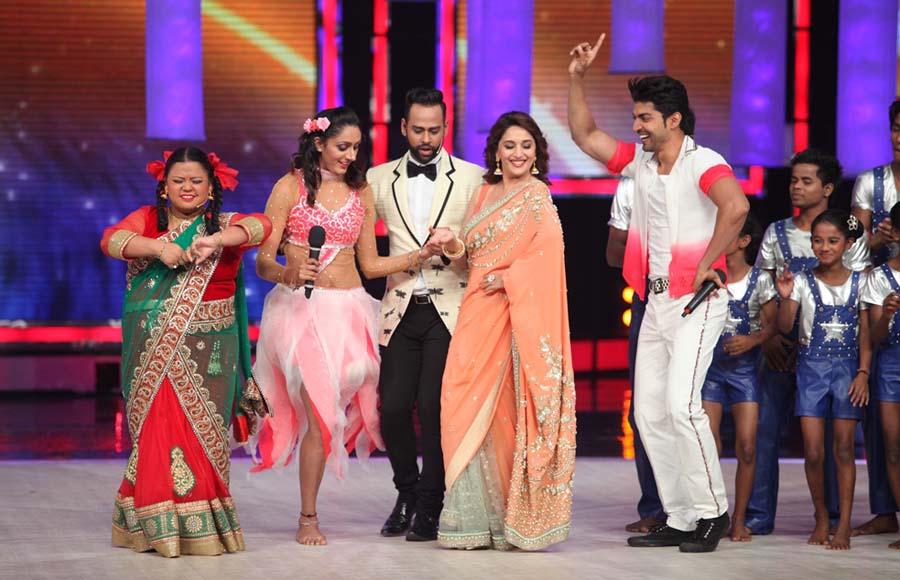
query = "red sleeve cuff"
{"x": 712, "y": 175}
{"x": 622, "y": 157}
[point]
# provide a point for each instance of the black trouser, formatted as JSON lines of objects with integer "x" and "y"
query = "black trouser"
{"x": 412, "y": 366}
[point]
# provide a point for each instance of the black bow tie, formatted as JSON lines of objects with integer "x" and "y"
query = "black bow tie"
{"x": 414, "y": 169}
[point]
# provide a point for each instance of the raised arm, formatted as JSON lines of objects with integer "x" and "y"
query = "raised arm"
{"x": 593, "y": 141}
{"x": 373, "y": 265}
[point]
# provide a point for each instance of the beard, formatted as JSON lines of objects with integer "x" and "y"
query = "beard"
{"x": 424, "y": 158}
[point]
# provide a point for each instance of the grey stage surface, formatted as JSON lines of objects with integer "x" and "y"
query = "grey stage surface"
{"x": 55, "y": 523}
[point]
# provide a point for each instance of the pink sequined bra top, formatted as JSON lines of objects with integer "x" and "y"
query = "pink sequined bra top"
{"x": 342, "y": 227}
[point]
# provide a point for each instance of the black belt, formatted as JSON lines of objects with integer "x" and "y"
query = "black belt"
{"x": 659, "y": 285}
{"x": 421, "y": 299}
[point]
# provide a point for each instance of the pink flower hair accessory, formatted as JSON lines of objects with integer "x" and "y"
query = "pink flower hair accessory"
{"x": 317, "y": 124}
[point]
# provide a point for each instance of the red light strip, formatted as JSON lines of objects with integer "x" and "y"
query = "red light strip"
{"x": 329, "y": 53}
{"x": 753, "y": 185}
{"x": 380, "y": 57}
{"x": 801, "y": 74}
{"x": 446, "y": 59}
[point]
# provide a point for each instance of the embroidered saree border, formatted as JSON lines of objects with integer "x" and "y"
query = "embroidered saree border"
{"x": 206, "y": 527}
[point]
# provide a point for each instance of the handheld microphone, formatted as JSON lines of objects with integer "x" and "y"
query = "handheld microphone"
{"x": 704, "y": 292}
{"x": 316, "y": 241}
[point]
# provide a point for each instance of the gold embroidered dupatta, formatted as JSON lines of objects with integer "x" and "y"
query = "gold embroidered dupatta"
{"x": 168, "y": 331}
{"x": 508, "y": 398}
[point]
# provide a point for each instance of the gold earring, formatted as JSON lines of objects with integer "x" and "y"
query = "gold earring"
{"x": 165, "y": 193}
{"x": 497, "y": 170}
{"x": 534, "y": 169}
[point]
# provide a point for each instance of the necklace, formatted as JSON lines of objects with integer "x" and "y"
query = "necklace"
{"x": 176, "y": 222}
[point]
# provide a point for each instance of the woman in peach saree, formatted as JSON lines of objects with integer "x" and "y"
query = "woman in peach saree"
{"x": 508, "y": 397}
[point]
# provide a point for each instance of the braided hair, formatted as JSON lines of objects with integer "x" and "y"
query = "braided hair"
{"x": 308, "y": 159}
{"x": 213, "y": 206}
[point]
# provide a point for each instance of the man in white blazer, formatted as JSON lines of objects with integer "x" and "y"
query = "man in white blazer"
{"x": 426, "y": 188}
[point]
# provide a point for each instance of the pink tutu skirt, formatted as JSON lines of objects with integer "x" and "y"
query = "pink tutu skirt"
{"x": 328, "y": 345}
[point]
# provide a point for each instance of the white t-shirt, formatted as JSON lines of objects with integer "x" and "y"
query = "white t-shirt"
{"x": 800, "y": 242}
{"x": 659, "y": 242}
{"x": 831, "y": 296}
{"x": 763, "y": 293}
{"x": 623, "y": 201}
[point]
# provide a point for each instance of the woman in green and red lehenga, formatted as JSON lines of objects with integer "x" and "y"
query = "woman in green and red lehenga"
{"x": 185, "y": 358}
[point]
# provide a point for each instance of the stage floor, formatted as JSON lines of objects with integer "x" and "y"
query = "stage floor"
{"x": 55, "y": 523}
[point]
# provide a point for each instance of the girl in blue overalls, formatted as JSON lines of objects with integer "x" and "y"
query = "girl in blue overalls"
{"x": 882, "y": 293}
{"x": 732, "y": 378}
{"x": 833, "y": 362}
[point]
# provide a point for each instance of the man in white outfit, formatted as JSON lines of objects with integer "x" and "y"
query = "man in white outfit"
{"x": 688, "y": 207}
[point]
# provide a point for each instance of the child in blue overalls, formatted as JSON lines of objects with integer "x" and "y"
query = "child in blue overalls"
{"x": 882, "y": 294}
{"x": 832, "y": 364}
{"x": 733, "y": 378}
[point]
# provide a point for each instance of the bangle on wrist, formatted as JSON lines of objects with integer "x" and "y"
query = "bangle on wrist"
{"x": 457, "y": 254}
{"x": 160, "y": 252}
{"x": 218, "y": 236}
{"x": 862, "y": 371}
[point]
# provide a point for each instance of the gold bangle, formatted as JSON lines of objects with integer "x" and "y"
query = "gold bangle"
{"x": 455, "y": 255}
{"x": 220, "y": 242}
{"x": 862, "y": 371}
{"x": 160, "y": 252}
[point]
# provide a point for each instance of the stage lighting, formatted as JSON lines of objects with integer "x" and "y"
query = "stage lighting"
{"x": 628, "y": 294}
{"x": 626, "y": 317}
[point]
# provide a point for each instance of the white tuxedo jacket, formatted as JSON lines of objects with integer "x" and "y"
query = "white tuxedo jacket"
{"x": 456, "y": 182}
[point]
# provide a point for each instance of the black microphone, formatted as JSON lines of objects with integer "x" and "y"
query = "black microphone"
{"x": 316, "y": 241}
{"x": 704, "y": 292}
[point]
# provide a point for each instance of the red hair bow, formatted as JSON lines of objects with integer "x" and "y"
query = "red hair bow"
{"x": 158, "y": 168}
{"x": 227, "y": 175}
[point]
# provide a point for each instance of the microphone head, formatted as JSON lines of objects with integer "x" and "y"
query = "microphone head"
{"x": 316, "y": 237}
{"x": 721, "y": 274}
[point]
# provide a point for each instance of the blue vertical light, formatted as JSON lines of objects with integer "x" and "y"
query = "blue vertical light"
{"x": 867, "y": 81}
{"x": 758, "y": 82}
{"x": 499, "y": 66}
{"x": 637, "y": 37}
{"x": 174, "y": 70}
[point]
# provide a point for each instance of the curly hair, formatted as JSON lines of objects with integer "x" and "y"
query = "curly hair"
{"x": 213, "y": 206}
{"x": 523, "y": 120}
{"x": 307, "y": 158}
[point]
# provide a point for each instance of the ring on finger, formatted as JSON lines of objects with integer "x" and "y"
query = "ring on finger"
{"x": 490, "y": 278}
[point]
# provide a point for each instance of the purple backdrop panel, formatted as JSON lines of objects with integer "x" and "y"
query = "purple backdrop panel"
{"x": 637, "y": 37}
{"x": 499, "y": 77}
{"x": 867, "y": 80}
{"x": 758, "y": 82}
{"x": 174, "y": 70}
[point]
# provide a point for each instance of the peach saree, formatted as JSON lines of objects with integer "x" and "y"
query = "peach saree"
{"x": 508, "y": 396}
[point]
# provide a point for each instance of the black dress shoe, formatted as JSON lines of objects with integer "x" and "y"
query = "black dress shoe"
{"x": 707, "y": 535}
{"x": 399, "y": 520}
{"x": 660, "y": 536}
{"x": 424, "y": 528}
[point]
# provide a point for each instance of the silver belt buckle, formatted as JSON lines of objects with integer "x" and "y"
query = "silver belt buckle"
{"x": 659, "y": 285}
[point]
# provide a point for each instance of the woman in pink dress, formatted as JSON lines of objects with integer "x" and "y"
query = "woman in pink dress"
{"x": 317, "y": 358}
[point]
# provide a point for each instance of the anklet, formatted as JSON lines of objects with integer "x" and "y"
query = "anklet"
{"x": 311, "y": 516}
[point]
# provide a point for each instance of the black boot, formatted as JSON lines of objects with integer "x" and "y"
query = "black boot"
{"x": 424, "y": 528}
{"x": 660, "y": 536}
{"x": 707, "y": 535}
{"x": 398, "y": 522}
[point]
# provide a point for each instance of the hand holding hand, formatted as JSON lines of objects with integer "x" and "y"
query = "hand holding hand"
{"x": 738, "y": 344}
{"x": 583, "y": 55}
{"x": 891, "y": 304}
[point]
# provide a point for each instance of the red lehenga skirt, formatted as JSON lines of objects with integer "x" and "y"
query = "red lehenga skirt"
{"x": 171, "y": 499}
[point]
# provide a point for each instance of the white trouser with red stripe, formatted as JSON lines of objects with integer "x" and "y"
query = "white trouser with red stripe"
{"x": 673, "y": 356}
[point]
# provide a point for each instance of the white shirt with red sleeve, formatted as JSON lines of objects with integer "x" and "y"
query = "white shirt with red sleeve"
{"x": 691, "y": 214}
